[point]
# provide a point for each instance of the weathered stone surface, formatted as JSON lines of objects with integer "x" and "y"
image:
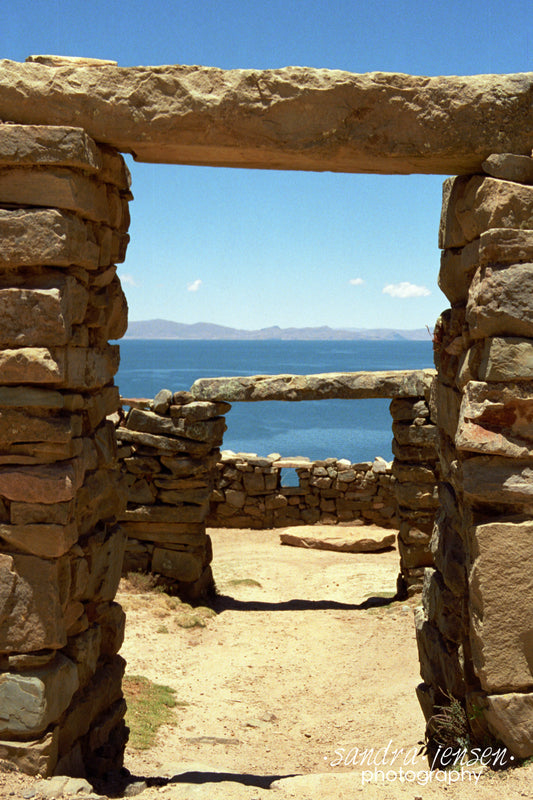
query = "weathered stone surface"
{"x": 510, "y": 718}
{"x": 71, "y": 367}
{"x": 361, "y": 539}
{"x": 457, "y": 268}
{"x": 49, "y": 483}
{"x": 169, "y": 533}
{"x": 48, "y": 145}
{"x": 58, "y": 188}
{"x": 441, "y": 605}
{"x": 37, "y": 757}
{"x": 45, "y": 540}
{"x": 149, "y": 422}
{"x": 501, "y": 583}
{"x": 509, "y": 167}
{"x": 492, "y": 479}
{"x": 40, "y": 513}
{"x": 496, "y": 419}
{"x": 505, "y": 246}
{"x": 340, "y": 385}
{"x": 162, "y": 401}
{"x": 498, "y": 359}
{"x": 499, "y": 302}
{"x": 104, "y": 553}
{"x": 440, "y": 663}
{"x": 31, "y": 700}
{"x": 288, "y": 118}
{"x": 472, "y": 205}
{"x": 182, "y": 566}
{"x": 17, "y": 425}
{"x": 407, "y": 409}
{"x": 164, "y": 444}
{"x": 46, "y": 237}
{"x": 199, "y": 411}
{"x": 423, "y": 435}
{"x": 414, "y": 495}
{"x": 31, "y": 598}
{"x": 445, "y": 403}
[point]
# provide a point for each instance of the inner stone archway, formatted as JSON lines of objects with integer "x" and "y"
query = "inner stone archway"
{"x": 64, "y": 218}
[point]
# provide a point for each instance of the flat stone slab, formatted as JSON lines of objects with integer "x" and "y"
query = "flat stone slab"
{"x": 344, "y": 539}
{"x": 291, "y": 118}
{"x": 324, "y": 386}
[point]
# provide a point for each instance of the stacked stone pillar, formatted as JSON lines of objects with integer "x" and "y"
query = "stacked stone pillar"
{"x": 475, "y": 633}
{"x": 415, "y": 486}
{"x": 169, "y": 452}
{"x": 63, "y": 223}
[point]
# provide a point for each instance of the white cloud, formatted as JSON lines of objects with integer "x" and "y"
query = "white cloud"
{"x": 356, "y": 281}
{"x": 128, "y": 279}
{"x": 405, "y": 289}
{"x": 194, "y": 286}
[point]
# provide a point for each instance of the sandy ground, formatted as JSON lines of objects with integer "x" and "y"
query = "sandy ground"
{"x": 306, "y": 665}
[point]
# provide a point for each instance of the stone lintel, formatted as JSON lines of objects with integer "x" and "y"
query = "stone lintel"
{"x": 325, "y": 386}
{"x": 292, "y": 118}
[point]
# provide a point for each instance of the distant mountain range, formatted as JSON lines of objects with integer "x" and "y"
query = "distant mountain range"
{"x": 165, "y": 329}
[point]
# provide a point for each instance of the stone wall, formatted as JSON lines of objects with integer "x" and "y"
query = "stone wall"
{"x": 168, "y": 448}
{"x": 474, "y": 631}
{"x": 249, "y": 492}
{"x": 415, "y": 486}
{"x": 63, "y": 223}
{"x": 178, "y": 482}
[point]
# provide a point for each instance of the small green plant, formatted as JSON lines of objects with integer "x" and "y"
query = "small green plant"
{"x": 149, "y": 707}
{"x": 162, "y": 629}
{"x": 450, "y": 726}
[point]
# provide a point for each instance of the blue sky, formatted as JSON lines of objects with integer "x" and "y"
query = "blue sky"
{"x": 253, "y": 248}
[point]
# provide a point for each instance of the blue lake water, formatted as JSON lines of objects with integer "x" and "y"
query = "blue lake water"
{"x": 357, "y": 430}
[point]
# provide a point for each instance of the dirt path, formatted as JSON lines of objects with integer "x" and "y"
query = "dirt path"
{"x": 305, "y": 662}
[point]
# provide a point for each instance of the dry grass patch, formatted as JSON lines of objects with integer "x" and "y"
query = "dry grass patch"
{"x": 149, "y": 706}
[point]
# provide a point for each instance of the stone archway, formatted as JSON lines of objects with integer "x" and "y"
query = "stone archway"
{"x": 64, "y": 193}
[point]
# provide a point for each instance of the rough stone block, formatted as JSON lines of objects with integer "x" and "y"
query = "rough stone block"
{"x": 199, "y": 411}
{"x": 495, "y": 419}
{"x": 510, "y": 718}
{"x": 457, "y": 268}
{"x": 440, "y": 661}
{"x": 446, "y": 544}
{"x": 46, "y": 237}
{"x": 47, "y": 483}
{"x": 42, "y": 311}
{"x": 474, "y": 204}
{"x": 38, "y": 757}
{"x": 445, "y": 403}
{"x": 40, "y": 513}
{"x": 69, "y": 368}
{"x": 418, "y": 435}
{"x": 497, "y": 359}
{"x": 501, "y": 604}
{"x": 494, "y": 480}
{"x": 25, "y": 425}
{"x": 58, "y": 188}
{"x": 179, "y": 565}
{"x": 499, "y": 302}
{"x": 175, "y": 533}
{"x": 47, "y": 146}
{"x": 31, "y": 700}
{"x": 509, "y": 167}
{"x": 104, "y": 553}
{"x": 505, "y": 246}
{"x": 90, "y": 702}
{"x": 44, "y": 540}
